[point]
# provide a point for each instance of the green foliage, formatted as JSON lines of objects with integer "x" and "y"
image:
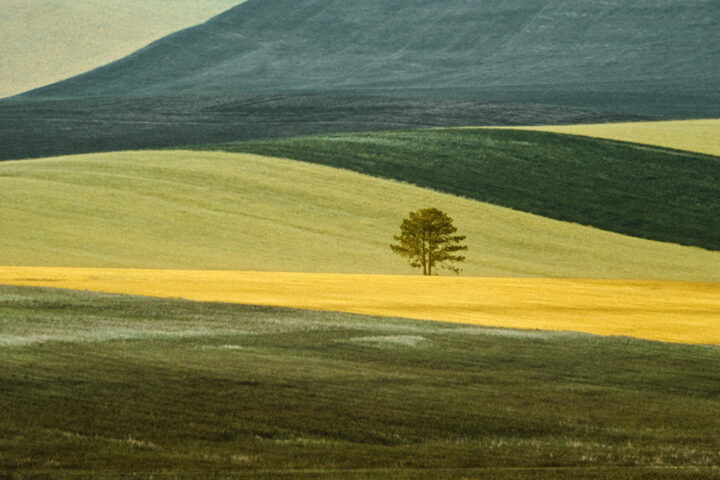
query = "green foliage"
{"x": 636, "y": 190}
{"x": 426, "y": 239}
{"x": 96, "y": 385}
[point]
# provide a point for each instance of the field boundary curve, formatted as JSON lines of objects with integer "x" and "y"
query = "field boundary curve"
{"x": 669, "y": 311}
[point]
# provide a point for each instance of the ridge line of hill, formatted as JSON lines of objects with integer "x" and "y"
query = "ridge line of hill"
{"x": 606, "y": 56}
{"x": 614, "y": 186}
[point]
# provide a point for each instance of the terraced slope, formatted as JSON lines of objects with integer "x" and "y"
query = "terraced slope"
{"x": 214, "y": 210}
{"x": 631, "y": 189}
{"x": 701, "y": 136}
{"x": 97, "y": 386}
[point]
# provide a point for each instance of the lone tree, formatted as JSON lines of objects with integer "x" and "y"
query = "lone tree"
{"x": 427, "y": 239}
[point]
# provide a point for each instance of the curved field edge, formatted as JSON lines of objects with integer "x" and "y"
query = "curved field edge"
{"x": 216, "y": 210}
{"x": 645, "y": 192}
{"x": 682, "y": 312}
{"x": 699, "y": 136}
{"x": 169, "y": 388}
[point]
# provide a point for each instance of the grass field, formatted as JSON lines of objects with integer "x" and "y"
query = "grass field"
{"x": 214, "y": 210}
{"x": 632, "y": 189}
{"x": 666, "y": 311}
{"x": 701, "y": 136}
{"x": 34, "y": 129}
{"x": 97, "y": 385}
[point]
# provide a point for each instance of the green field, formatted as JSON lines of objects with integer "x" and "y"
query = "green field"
{"x": 133, "y": 387}
{"x": 196, "y": 279}
{"x": 215, "y": 210}
{"x": 636, "y": 190}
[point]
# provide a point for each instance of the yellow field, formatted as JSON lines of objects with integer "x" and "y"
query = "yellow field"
{"x": 702, "y": 136}
{"x": 683, "y": 312}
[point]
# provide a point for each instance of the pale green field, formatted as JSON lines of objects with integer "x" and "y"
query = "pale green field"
{"x": 702, "y": 136}
{"x": 209, "y": 210}
{"x": 45, "y": 41}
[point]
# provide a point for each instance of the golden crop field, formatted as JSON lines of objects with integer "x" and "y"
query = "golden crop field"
{"x": 683, "y": 312}
{"x": 702, "y": 136}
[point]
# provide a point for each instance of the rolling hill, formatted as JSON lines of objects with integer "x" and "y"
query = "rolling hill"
{"x": 637, "y": 190}
{"x": 45, "y": 41}
{"x": 268, "y": 69}
{"x": 640, "y": 57}
{"x": 43, "y": 128}
{"x": 700, "y": 136}
{"x": 113, "y": 386}
{"x": 110, "y": 385}
{"x": 215, "y": 210}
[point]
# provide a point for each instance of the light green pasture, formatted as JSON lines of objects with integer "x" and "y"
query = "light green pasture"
{"x": 214, "y": 210}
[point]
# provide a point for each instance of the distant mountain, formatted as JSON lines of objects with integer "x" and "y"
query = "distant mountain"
{"x": 278, "y": 68}
{"x": 642, "y": 56}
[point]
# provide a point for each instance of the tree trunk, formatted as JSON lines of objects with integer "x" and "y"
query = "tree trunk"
{"x": 424, "y": 256}
{"x": 429, "y": 258}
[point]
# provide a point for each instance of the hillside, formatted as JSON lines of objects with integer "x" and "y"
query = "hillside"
{"x": 700, "y": 136}
{"x": 636, "y": 190}
{"x": 102, "y": 385}
{"x": 281, "y": 68}
{"x": 641, "y": 57}
{"x": 214, "y": 210}
{"x": 43, "y": 128}
{"x": 45, "y": 41}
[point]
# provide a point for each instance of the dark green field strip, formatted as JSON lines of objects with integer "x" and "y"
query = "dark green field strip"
{"x": 31, "y": 129}
{"x": 193, "y": 390}
{"x": 636, "y": 190}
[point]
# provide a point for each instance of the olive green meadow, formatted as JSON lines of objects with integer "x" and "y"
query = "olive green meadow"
{"x": 130, "y": 387}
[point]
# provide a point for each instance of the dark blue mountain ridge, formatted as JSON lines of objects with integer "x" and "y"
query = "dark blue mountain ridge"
{"x": 641, "y": 56}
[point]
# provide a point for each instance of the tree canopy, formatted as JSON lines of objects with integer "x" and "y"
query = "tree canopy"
{"x": 427, "y": 238}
